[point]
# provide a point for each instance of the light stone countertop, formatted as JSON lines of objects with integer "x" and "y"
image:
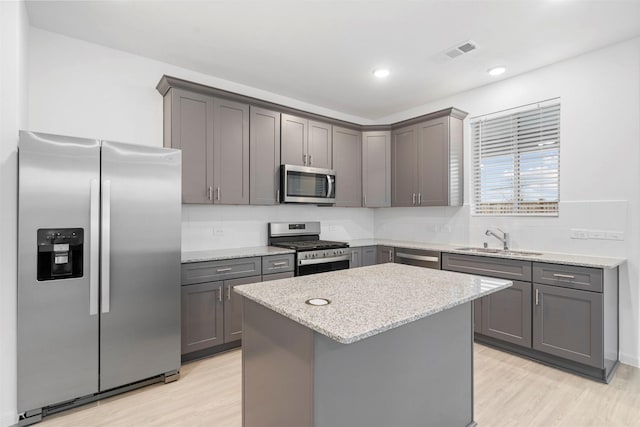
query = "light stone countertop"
{"x": 221, "y": 254}
{"x": 369, "y": 300}
{"x": 548, "y": 257}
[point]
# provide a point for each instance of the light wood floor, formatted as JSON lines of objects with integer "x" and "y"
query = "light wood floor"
{"x": 509, "y": 391}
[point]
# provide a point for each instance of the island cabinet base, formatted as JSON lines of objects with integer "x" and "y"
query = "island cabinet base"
{"x": 418, "y": 374}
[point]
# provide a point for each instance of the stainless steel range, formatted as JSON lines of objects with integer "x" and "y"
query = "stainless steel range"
{"x": 312, "y": 254}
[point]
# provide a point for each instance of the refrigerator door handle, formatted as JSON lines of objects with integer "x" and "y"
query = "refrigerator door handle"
{"x": 94, "y": 247}
{"x": 106, "y": 245}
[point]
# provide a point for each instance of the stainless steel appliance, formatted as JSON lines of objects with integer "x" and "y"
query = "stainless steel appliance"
{"x": 312, "y": 254}
{"x": 98, "y": 270}
{"x": 302, "y": 184}
{"x": 418, "y": 257}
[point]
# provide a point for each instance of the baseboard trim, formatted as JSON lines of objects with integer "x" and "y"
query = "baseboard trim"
{"x": 8, "y": 418}
{"x": 629, "y": 360}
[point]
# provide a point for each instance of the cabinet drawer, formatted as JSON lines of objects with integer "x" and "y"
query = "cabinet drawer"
{"x": 512, "y": 269}
{"x": 210, "y": 271}
{"x": 277, "y": 263}
{"x": 568, "y": 276}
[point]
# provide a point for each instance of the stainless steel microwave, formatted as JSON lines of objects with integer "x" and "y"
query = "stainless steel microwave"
{"x": 302, "y": 184}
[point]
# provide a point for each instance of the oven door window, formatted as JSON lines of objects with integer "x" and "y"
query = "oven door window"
{"x": 304, "y": 270}
{"x": 303, "y": 184}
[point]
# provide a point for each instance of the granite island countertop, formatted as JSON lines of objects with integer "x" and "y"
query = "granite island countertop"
{"x": 369, "y": 300}
{"x": 544, "y": 256}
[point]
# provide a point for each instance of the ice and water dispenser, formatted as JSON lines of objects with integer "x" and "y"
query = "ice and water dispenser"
{"x": 60, "y": 253}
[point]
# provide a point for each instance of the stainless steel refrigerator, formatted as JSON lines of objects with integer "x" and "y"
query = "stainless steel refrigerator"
{"x": 99, "y": 227}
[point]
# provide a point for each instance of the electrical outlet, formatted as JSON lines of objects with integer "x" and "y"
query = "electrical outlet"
{"x": 597, "y": 234}
{"x": 615, "y": 235}
{"x": 577, "y": 233}
{"x": 217, "y": 231}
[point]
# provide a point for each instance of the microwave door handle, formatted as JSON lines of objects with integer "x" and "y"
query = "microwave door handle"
{"x": 330, "y": 186}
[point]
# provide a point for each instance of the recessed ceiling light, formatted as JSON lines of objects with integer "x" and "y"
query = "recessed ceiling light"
{"x": 381, "y": 73}
{"x": 496, "y": 71}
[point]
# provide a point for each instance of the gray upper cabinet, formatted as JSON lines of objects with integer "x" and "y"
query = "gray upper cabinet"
{"x": 404, "y": 166}
{"x": 213, "y": 134}
{"x": 427, "y": 162}
{"x": 306, "y": 142}
{"x": 347, "y": 155}
{"x": 188, "y": 126}
{"x": 294, "y": 140}
{"x": 320, "y": 145}
{"x": 264, "y": 156}
{"x": 231, "y": 152}
{"x": 376, "y": 169}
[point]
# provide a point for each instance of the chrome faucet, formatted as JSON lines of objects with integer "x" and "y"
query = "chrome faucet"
{"x": 504, "y": 238}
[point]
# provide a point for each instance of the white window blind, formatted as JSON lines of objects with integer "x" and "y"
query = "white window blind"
{"x": 516, "y": 161}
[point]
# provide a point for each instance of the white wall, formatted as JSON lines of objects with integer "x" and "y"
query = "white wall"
{"x": 13, "y": 115}
{"x": 599, "y": 180}
{"x": 83, "y": 89}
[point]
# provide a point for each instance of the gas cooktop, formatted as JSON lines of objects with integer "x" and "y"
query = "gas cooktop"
{"x": 311, "y": 245}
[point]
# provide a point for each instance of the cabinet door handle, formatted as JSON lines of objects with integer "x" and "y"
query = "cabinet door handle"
{"x": 413, "y": 199}
{"x": 304, "y": 159}
{"x": 310, "y": 162}
{"x": 364, "y": 198}
{"x": 277, "y": 196}
{"x": 222, "y": 270}
{"x": 390, "y": 256}
{"x": 210, "y": 193}
{"x": 220, "y": 293}
{"x": 229, "y": 292}
{"x": 537, "y": 296}
{"x": 419, "y": 199}
{"x": 218, "y": 193}
{"x": 563, "y": 276}
{"x": 280, "y": 263}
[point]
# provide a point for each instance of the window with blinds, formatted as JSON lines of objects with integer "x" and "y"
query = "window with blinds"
{"x": 516, "y": 161}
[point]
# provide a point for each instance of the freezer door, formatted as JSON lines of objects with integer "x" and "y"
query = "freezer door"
{"x": 58, "y": 314}
{"x": 140, "y": 255}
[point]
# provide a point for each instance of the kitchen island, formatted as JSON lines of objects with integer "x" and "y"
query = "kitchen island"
{"x": 393, "y": 347}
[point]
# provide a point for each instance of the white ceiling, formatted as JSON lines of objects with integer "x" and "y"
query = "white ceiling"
{"x": 322, "y": 52}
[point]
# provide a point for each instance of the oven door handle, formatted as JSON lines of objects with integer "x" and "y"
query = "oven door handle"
{"x": 345, "y": 257}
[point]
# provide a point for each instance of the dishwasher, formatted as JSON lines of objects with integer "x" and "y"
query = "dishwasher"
{"x": 418, "y": 257}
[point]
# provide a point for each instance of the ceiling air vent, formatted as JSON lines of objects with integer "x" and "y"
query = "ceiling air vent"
{"x": 460, "y": 49}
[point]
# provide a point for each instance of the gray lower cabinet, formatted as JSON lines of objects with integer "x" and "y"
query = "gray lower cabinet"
{"x": 506, "y": 315}
{"x": 356, "y": 257}
{"x": 305, "y": 142}
{"x": 202, "y": 316}
{"x": 569, "y": 323}
{"x": 347, "y": 162}
{"x": 277, "y": 276}
{"x": 264, "y": 156}
{"x": 376, "y": 169}
{"x": 233, "y": 308}
{"x": 384, "y": 254}
{"x": 369, "y": 255}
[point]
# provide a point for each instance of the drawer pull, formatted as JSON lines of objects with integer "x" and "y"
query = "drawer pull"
{"x": 563, "y": 276}
{"x": 278, "y": 264}
{"x": 222, "y": 270}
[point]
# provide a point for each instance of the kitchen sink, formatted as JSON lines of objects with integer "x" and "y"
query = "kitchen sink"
{"x": 498, "y": 251}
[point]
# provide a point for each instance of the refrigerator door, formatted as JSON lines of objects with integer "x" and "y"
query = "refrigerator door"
{"x": 140, "y": 254}
{"x": 57, "y": 311}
